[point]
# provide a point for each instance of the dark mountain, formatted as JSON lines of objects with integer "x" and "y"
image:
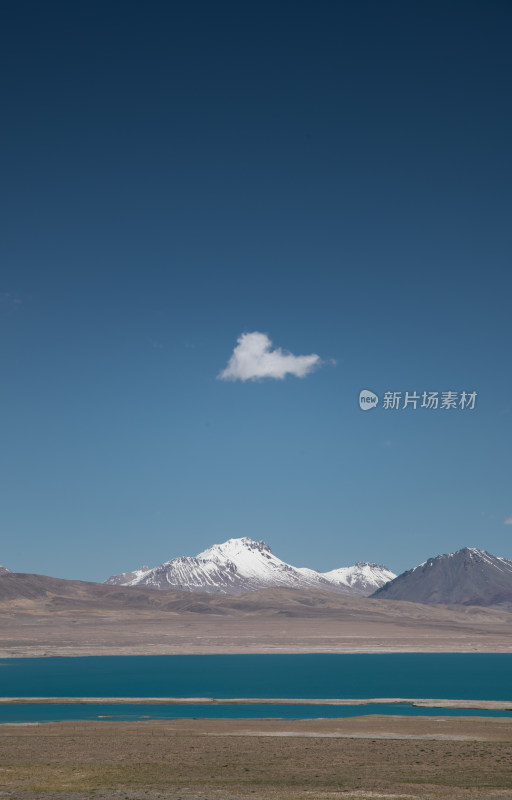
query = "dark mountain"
{"x": 468, "y": 577}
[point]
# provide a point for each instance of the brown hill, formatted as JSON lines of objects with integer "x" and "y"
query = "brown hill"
{"x": 51, "y": 616}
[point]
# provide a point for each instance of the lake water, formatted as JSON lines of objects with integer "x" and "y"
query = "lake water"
{"x": 465, "y": 676}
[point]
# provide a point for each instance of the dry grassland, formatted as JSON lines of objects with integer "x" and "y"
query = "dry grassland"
{"x": 378, "y": 758}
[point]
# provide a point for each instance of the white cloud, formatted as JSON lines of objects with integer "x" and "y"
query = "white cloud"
{"x": 508, "y": 521}
{"x": 253, "y": 358}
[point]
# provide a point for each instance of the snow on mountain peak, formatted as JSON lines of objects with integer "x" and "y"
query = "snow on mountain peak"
{"x": 244, "y": 565}
{"x": 363, "y": 578}
{"x": 235, "y": 548}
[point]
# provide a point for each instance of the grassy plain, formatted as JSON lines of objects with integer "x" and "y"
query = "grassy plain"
{"x": 373, "y": 757}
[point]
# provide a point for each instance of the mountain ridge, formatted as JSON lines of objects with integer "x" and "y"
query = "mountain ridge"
{"x": 242, "y": 565}
{"x": 466, "y": 577}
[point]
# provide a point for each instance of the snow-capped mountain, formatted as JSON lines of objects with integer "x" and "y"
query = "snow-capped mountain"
{"x": 129, "y": 578}
{"x": 467, "y": 577}
{"x": 4, "y": 570}
{"x": 362, "y": 578}
{"x": 243, "y": 565}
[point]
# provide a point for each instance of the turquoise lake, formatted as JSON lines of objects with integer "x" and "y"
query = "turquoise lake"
{"x": 465, "y": 676}
{"x": 56, "y": 713}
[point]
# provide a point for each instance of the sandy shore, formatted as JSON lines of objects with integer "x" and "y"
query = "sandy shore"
{"x": 496, "y": 705}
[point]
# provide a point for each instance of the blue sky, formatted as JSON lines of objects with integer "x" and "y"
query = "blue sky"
{"x": 334, "y": 175}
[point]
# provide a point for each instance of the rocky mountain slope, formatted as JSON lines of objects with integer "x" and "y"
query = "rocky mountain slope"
{"x": 466, "y": 577}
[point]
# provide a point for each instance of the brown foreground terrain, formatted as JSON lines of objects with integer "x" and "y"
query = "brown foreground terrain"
{"x": 49, "y": 616}
{"x": 374, "y": 757}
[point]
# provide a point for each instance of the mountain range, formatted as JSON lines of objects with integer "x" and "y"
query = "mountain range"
{"x": 242, "y": 565}
{"x": 468, "y": 577}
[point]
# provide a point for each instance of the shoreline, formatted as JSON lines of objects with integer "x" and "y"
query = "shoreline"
{"x": 87, "y": 651}
{"x": 491, "y": 705}
{"x": 367, "y": 726}
{"x": 119, "y": 652}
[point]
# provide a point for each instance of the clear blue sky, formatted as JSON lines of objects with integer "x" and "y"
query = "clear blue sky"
{"x": 336, "y": 175}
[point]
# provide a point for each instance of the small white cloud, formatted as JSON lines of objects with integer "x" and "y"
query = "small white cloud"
{"x": 253, "y": 358}
{"x": 508, "y": 521}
